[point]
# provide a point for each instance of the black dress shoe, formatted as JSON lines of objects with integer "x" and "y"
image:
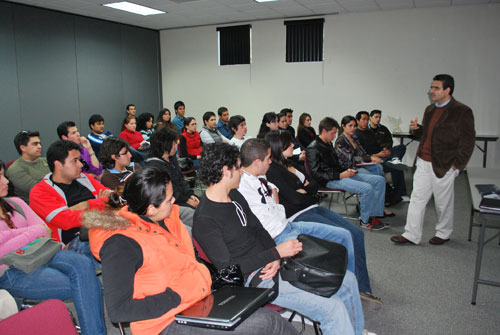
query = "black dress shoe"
{"x": 399, "y": 239}
{"x": 437, "y": 240}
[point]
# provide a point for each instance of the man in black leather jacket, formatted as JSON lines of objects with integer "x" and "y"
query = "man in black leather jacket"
{"x": 324, "y": 167}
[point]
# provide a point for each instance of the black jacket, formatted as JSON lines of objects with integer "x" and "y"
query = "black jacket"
{"x": 288, "y": 183}
{"x": 182, "y": 193}
{"x": 323, "y": 162}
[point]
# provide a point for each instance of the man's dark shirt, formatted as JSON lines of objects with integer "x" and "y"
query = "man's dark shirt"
{"x": 74, "y": 193}
{"x": 368, "y": 141}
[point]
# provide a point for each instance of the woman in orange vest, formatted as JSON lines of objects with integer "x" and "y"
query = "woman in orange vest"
{"x": 150, "y": 272}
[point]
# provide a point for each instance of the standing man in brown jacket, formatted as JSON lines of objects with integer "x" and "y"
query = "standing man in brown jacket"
{"x": 447, "y": 138}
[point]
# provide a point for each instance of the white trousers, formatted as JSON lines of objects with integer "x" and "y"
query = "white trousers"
{"x": 426, "y": 184}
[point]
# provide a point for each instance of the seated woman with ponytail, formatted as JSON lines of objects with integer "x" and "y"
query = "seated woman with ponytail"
{"x": 68, "y": 275}
{"x": 150, "y": 272}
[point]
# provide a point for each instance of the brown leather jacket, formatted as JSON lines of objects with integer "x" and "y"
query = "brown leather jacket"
{"x": 453, "y": 137}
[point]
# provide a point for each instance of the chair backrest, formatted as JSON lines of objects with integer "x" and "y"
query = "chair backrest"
{"x": 9, "y": 163}
{"x": 200, "y": 251}
{"x": 47, "y": 318}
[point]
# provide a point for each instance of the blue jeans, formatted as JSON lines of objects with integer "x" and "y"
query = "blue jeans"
{"x": 329, "y": 311}
{"x": 372, "y": 191}
{"x": 322, "y": 215}
{"x": 83, "y": 248}
{"x": 67, "y": 275}
{"x": 340, "y": 314}
{"x": 375, "y": 169}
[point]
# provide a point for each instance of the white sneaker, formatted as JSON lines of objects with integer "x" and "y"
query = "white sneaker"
{"x": 366, "y": 332}
{"x": 405, "y": 198}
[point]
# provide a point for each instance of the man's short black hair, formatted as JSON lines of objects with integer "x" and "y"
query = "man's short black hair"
{"x": 359, "y": 114}
{"x": 376, "y": 111}
{"x": 178, "y": 104}
{"x": 128, "y": 106}
{"x": 23, "y": 138}
{"x": 58, "y": 151}
{"x": 234, "y": 122}
{"x": 213, "y": 158}
{"x": 286, "y": 111}
{"x": 62, "y": 129}
{"x": 95, "y": 118}
{"x": 327, "y": 124}
{"x": 447, "y": 81}
{"x": 111, "y": 146}
{"x": 221, "y": 110}
{"x": 162, "y": 141}
{"x": 207, "y": 116}
{"x": 252, "y": 149}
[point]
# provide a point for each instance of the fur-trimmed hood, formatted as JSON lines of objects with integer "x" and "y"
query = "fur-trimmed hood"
{"x": 106, "y": 219}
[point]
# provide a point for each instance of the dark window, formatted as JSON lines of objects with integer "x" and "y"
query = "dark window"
{"x": 304, "y": 40}
{"x": 234, "y": 45}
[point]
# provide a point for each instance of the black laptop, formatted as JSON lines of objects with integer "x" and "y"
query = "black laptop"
{"x": 226, "y": 307}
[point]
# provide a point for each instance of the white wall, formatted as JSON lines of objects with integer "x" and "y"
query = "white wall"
{"x": 383, "y": 60}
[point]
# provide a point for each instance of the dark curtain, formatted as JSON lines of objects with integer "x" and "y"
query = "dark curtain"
{"x": 304, "y": 40}
{"x": 234, "y": 44}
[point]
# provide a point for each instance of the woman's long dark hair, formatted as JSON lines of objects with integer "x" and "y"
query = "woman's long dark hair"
{"x": 279, "y": 140}
{"x": 267, "y": 118}
{"x": 302, "y": 120}
{"x": 4, "y": 204}
{"x": 143, "y": 188}
{"x": 345, "y": 120}
{"x": 187, "y": 121}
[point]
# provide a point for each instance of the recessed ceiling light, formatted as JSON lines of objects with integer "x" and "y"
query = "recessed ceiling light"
{"x": 265, "y": 0}
{"x": 133, "y": 8}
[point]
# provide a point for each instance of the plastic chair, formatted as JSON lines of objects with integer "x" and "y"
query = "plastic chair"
{"x": 47, "y": 318}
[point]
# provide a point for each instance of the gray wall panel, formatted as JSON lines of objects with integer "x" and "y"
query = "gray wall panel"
{"x": 10, "y": 117}
{"x": 141, "y": 71}
{"x": 98, "y": 49}
{"x": 45, "y": 43}
{"x": 56, "y": 67}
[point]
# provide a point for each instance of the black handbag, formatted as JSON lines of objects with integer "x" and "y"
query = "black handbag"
{"x": 319, "y": 268}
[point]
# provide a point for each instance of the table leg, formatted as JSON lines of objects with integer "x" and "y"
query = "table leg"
{"x": 471, "y": 222}
{"x": 485, "y": 152}
{"x": 479, "y": 257}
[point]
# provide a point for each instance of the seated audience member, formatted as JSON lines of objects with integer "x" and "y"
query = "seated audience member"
{"x": 289, "y": 120}
{"x": 116, "y": 159}
{"x": 61, "y": 197}
{"x": 209, "y": 133}
{"x": 91, "y": 165}
{"x": 298, "y": 194}
{"x": 132, "y": 136}
{"x": 351, "y": 153}
{"x": 384, "y": 138}
{"x": 67, "y": 275}
{"x": 269, "y": 122}
{"x": 223, "y": 123}
{"x": 30, "y": 168}
{"x": 305, "y": 133}
{"x": 282, "y": 121}
{"x": 145, "y": 125}
{"x": 151, "y": 272}
{"x": 369, "y": 142}
{"x": 238, "y": 126}
{"x": 164, "y": 120}
{"x": 180, "y": 110}
{"x": 326, "y": 169}
{"x": 162, "y": 156}
{"x": 97, "y": 133}
{"x": 130, "y": 110}
{"x": 230, "y": 233}
{"x": 190, "y": 142}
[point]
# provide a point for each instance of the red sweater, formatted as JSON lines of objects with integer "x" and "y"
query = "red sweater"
{"x": 133, "y": 138}
{"x": 193, "y": 143}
